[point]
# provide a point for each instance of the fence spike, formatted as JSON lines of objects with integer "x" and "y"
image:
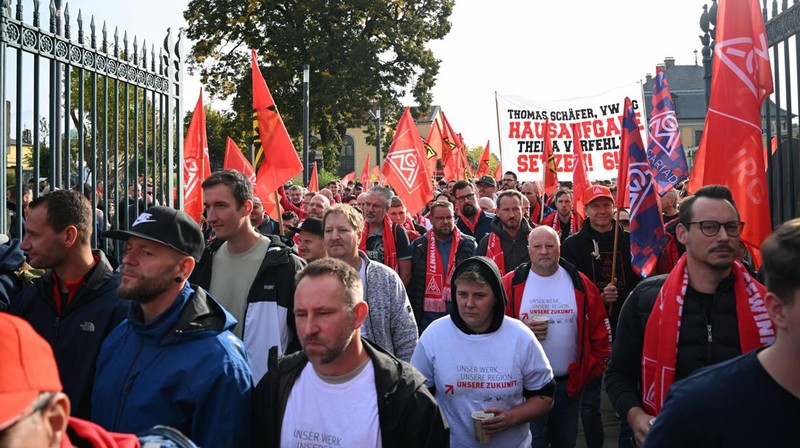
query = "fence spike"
{"x": 80, "y": 27}
{"x": 66, "y": 21}
{"x": 36, "y": 21}
{"x": 19, "y": 10}
{"x": 53, "y": 12}
{"x": 93, "y": 30}
{"x": 135, "y": 51}
{"x": 105, "y": 38}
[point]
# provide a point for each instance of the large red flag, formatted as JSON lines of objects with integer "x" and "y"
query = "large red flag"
{"x": 623, "y": 196}
{"x": 280, "y": 162}
{"x": 731, "y": 151}
{"x": 365, "y": 173}
{"x": 235, "y": 160}
{"x": 580, "y": 179}
{"x": 498, "y": 172}
{"x": 196, "y": 165}
{"x": 483, "y": 165}
{"x": 313, "y": 182}
{"x": 452, "y": 156}
{"x": 406, "y": 167}
{"x": 549, "y": 162}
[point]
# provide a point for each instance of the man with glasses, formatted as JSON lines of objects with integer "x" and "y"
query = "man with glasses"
{"x": 472, "y": 220}
{"x": 707, "y": 310}
{"x": 509, "y": 181}
{"x": 433, "y": 258}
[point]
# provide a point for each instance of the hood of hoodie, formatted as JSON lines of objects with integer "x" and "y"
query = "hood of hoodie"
{"x": 11, "y": 256}
{"x": 489, "y": 271}
{"x": 524, "y": 229}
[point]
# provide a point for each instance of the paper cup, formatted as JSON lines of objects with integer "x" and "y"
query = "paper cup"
{"x": 477, "y": 421}
{"x": 544, "y": 319}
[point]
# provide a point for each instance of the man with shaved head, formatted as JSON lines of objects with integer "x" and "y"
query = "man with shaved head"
{"x": 563, "y": 308}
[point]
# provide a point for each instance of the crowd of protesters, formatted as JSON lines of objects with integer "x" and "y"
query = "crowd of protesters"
{"x": 495, "y": 316}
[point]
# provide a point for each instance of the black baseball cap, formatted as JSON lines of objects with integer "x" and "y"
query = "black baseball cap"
{"x": 487, "y": 180}
{"x": 313, "y": 225}
{"x": 167, "y": 226}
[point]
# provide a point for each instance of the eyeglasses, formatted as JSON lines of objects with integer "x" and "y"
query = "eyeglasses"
{"x": 466, "y": 197}
{"x": 443, "y": 218}
{"x": 711, "y": 228}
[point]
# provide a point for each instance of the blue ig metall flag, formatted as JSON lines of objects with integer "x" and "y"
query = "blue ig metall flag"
{"x": 647, "y": 225}
{"x": 665, "y": 149}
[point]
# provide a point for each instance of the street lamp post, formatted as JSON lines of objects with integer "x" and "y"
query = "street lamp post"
{"x": 377, "y": 117}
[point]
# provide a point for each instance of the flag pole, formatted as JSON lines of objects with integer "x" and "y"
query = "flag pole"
{"x": 497, "y": 116}
{"x": 280, "y": 213}
{"x": 610, "y": 306}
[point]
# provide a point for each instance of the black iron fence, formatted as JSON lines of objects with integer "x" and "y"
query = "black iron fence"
{"x": 84, "y": 107}
{"x": 784, "y": 164}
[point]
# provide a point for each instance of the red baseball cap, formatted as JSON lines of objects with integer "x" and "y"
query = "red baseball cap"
{"x": 594, "y": 192}
{"x": 27, "y": 368}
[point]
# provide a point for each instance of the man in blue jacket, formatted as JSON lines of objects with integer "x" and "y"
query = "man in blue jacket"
{"x": 74, "y": 305}
{"x": 174, "y": 361}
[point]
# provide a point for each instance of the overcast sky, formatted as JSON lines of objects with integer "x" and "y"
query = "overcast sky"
{"x": 540, "y": 50}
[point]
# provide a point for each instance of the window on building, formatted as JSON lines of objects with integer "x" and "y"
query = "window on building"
{"x": 347, "y": 156}
{"x": 698, "y": 135}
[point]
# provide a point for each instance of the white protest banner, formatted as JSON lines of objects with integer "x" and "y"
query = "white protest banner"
{"x": 522, "y": 123}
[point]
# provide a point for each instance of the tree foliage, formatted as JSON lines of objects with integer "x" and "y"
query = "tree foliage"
{"x": 360, "y": 52}
{"x": 219, "y": 126}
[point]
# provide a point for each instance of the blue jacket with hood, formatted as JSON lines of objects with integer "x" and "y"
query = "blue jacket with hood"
{"x": 11, "y": 257}
{"x": 185, "y": 369}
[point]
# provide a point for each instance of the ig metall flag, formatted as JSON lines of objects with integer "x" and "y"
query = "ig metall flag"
{"x": 665, "y": 148}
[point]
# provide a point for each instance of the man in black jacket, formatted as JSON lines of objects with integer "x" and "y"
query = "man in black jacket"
{"x": 341, "y": 390}
{"x": 74, "y": 305}
{"x": 429, "y": 290}
{"x": 591, "y": 250}
{"x": 246, "y": 271}
{"x": 699, "y": 313}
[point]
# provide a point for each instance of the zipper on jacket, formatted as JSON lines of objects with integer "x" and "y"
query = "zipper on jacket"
{"x": 126, "y": 388}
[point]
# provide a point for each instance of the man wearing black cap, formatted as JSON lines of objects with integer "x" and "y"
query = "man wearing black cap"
{"x": 487, "y": 187}
{"x": 174, "y": 361}
{"x": 311, "y": 237}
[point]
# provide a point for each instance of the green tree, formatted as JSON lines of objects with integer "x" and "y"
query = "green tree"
{"x": 361, "y": 54}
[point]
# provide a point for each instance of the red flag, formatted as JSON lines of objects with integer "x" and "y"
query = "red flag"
{"x": 434, "y": 146}
{"x": 549, "y": 162}
{"x": 280, "y": 161}
{"x": 235, "y": 160}
{"x": 623, "y": 196}
{"x": 348, "y": 177}
{"x": 365, "y": 173}
{"x": 483, "y": 165}
{"x": 196, "y": 165}
{"x": 406, "y": 168}
{"x": 374, "y": 175}
{"x": 313, "y": 182}
{"x": 731, "y": 151}
{"x": 498, "y": 172}
{"x": 452, "y": 156}
{"x": 580, "y": 180}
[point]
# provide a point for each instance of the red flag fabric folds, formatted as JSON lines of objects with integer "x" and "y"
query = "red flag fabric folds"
{"x": 731, "y": 151}
{"x": 483, "y": 165}
{"x": 365, "y": 174}
{"x": 580, "y": 178}
{"x": 280, "y": 162}
{"x": 406, "y": 167}
{"x": 196, "y": 164}
{"x": 313, "y": 181}
{"x": 235, "y": 160}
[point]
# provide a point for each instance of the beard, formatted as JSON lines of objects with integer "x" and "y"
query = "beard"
{"x": 443, "y": 233}
{"x": 469, "y": 210}
{"x": 330, "y": 349}
{"x": 145, "y": 290}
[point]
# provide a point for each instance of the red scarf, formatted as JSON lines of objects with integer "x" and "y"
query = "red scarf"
{"x": 660, "y": 350}
{"x": 495, "y": 251}
{"x": 471, "y": 224}
{"x": 437, "y": 286}
{"x": 573, "y": 223}
{"x": 389, "y": 246}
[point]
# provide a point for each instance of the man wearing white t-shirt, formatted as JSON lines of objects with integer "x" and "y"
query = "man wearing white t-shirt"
{"x": 341, "y": 390}
{"x": 565, "y": 311}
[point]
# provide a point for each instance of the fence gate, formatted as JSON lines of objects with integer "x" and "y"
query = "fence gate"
{"x": 87, "y": 108}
